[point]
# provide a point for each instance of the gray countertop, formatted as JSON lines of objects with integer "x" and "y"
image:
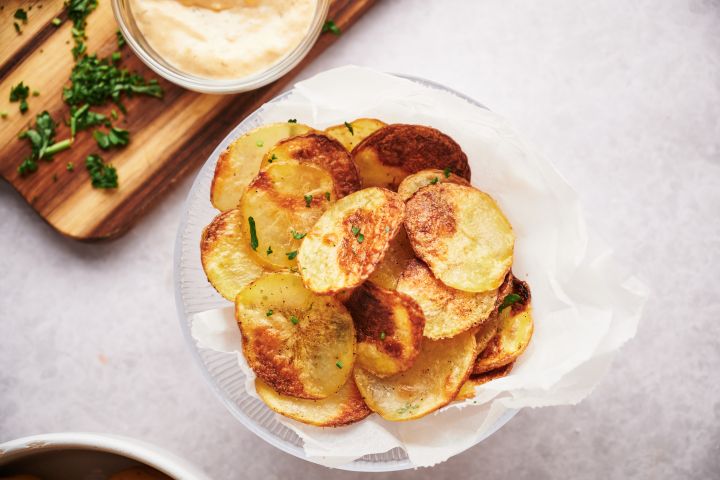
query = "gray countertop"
{"x": 624, "y": 98}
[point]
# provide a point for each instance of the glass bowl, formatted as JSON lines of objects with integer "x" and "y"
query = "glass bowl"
{"x": 131, "y": 32}
{"x": 194, "y": 294}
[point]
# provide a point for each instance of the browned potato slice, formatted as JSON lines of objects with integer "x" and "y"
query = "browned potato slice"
{"x": 447, "y": 311}
{"x": 349, "y": 240}
{"x": 462, "y": 235}
{"x": 299, "y": 343}
{"x": 284, "y": 201}
{"x": 389, "y": 329}
{"x": 392, "y": 153}
{"x": 431, "y": 383}
{"x": 341, "y": 408}
{"x": 468, "y": 389}
{"x": 387, "y": 273}
{"x": 416, "y": 181}
{"x": 239, "y": 164}
{"x": 515, "y": 329}
{"x": 322, "y": 151}
{"x": 225, "y": 254}
{"x": 352, "y": 133}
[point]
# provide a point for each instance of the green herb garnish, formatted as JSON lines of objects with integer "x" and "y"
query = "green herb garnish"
{"x": 20, "y": 93}
{"x": 511, "y": 299}
{"x": 253, "y": 234}
{"x": 292, "y": 255}
{"x": 308, "y": 200}
{"x": 298, "y": 236}
{"x": 434, "y": 180}
{"x": 21, "y": 14}
{"x": 70, "y": 167}
{"x": 56, "y": 21}
{"x": 17, "y": 28}
{"x": 102, "y": 175}
{"x": 78, "y": 11}
{"x": 408, "y": 408}
{"x": 294, "y": 320}
{"x": 330, "y": 26}
{"x": 292, "y": 120}
{"x": 355, "y": 230}
{"x": 83, "y": 118}
{"x": 259, "y": 143}
{"x": 382, "y": 335}
{"x": 120, "y": 39}
{"x": 115, "y": 138}
{"x": 349, "y": 127}
{"x": 115, "y": 57}
{"x": 42, "y": 143}
{"x": 327, "y": 196}
{"x": 268, "y": 251}
{"x": 446, "y": 172}
{"x": 272, "y": 159}
{"x": 339, "y": 364}
{"x": 360, "y": 238}
{"x": 269, "y": 313}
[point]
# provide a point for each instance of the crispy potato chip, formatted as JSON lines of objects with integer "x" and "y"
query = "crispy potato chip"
{"x": 299, "y": 343}
{"x": 322, "y": 151}
{"x": 225, "y": 254}
{"x": 355, "y": 133}
{"x": 515, "y": 329}
{"x": 284, "y": 201}
{"x": 462, "y": 235}
{"x": 431, "y": 383}
{"x": 416, "y": 181}
{"x": 468, "y": 389}
{"x": 349, "y": 240}
{"x": 239, "y": 164}
{"x": 389, "y": 328}
{"x": 399, "y": 253}
{"x": 341, "y": 408}
{"x": 447, "y": 311}
{"x": 393, "y": 152}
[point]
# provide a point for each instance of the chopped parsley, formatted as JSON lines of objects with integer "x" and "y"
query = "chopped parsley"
{"x": 308, "y": 200}
{"x": 434, "y": 180}
{"x": 350, "y": 128}
{"x": 116, "y": 57}
{"x": 56, "y": 21}
{"x": 330, "y": 26}
{"x": 78, "y": 11}
{"x": 115, "y": 138}
{"x": 292, "y": 255}
{"x": 382, "y": 335}
{"x": 446, "y": 172}
{"x": 21, "y": 14}
{"x": 120, "y": 39}
{"x": 17, "y": 28}
{"x": 70, "y": 167}
{"x": 42, "y": 143}
{"x": 511, "y": 299}
{"x": 358, "y": 236}
{"x": 259, "y": 143}
{"x": 327, "y": 196}
{"x": 294, "y": 320}
{"x": 269, "y": 313}
{"x": 268, "y": 251}
{"x": 83, "y": 118}
{"x": 102, "y": 175}
{"x": 355, "y": 230}
{"x": 114, "y": 114}
{"x": 292, "y": 120}
{"x": 339, "y": 364}
{"x": 298, "y": 236}
{"x": 36, "y": 93}
{"x": 408, "y": 408}
{"x": 272, "y": 159}
{"x": 253, "y": 234}
{"x": 20, "y": 93}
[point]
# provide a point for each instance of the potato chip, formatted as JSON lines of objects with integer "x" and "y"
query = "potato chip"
{"x": 431, "y": 383}
{"x": 280, "y": 206}
{"x": 389, "y": 328}
{"x": 341, "y": 408}
{"x": 299, "y": 343}
{"x": 225, "y": 254}
{"x": 349, "y": 240}
{"x": 393, "y": 152}
{"x": 447, "y": 311}
{"x": 239, "y": 164}
{"x": 388, "y": 271}
{"x": 416, "y": 181}
{"x": 320, "y": 150}
{"x": 462, "y": 235}
{"x": 468, "y": 389}
{"x": 352, "y": 133}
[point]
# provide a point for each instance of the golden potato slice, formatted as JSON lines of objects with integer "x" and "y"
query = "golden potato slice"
{"x": 447, "y": 311}
{"x": 341, "y": 408}
{"x": 225, "y": 254}
{"x": 322, "y": 151}
{"x": 393, "y": 152}
{"x": 297, "y": 342}
{"x": 281, "y": 205}
{"x": 413, "y": 183}
{"x": 431, "y": 383}
{"x": 388, "y": 271}
{"x": 467, "y": 391}
{"x": 389, "y": 328}
{"x": 515, "y": 329}
{"x": 239, "y": 164}
{"x": 352, "y": 133}
{"x": 462, "y": 235}
{"x": 349, "y": 240}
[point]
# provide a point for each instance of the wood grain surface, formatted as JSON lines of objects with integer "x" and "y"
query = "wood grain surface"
{"x": 169, "y": 137}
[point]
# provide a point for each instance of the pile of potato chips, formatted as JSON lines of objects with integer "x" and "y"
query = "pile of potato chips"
{"x": 368, "y": 275}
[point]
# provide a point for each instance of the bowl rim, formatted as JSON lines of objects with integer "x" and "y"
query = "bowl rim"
{"x": 138, "y": 450}
{"x": 223, "y": 86}
{"x": 356, "y": 465}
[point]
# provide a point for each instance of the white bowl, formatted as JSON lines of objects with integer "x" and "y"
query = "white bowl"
{"x": 84, "y": 453}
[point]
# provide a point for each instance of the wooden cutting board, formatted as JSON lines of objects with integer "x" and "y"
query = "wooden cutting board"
{"x": 169, "y": 137}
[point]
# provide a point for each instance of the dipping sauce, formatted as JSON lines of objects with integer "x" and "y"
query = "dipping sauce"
{"x": 223, "y": 39}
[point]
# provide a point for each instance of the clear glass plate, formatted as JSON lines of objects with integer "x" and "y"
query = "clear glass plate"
{"x": 194, "y": 294}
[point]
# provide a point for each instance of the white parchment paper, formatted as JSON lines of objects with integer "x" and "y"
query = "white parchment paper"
{"x": 585, "y": 306}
